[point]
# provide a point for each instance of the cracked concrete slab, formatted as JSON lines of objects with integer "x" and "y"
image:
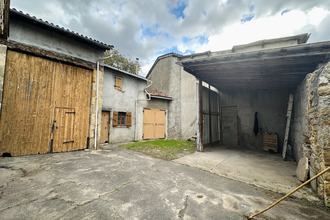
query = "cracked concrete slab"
{"x": 259, "y": 168}
{"x": 122, "y": 184}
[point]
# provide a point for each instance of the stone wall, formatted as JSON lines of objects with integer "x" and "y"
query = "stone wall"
{"x": 93, "y": 109}
{"x": 318, "y": 86}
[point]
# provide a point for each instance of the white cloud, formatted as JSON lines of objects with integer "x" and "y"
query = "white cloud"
{"x": 120, "y": 22}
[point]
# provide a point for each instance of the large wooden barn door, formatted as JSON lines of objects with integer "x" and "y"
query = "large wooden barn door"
{"x": 33, "y": 88}
{"x": 26, "y": 113}
{"x": 154, "y": 123}
{"x": 72, "y": 90}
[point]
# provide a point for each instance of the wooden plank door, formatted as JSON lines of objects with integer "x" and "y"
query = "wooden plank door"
{"x": 160, "y": 124}
{"x": 63, "y": 129}
{"x": 105, "y": 125}
{"x": 229, "y": 126}
{"x": 148, "y": 124}
{"x": 154, "y": 123}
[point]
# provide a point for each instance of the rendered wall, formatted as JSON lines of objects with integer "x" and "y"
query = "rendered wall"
{"x": 166, "y": 77}
{"x": 124, "y": 101}
{"x": 170, "y": 78}
{"x": 299, "y": 133}
{"x": 188, "y": 105}
{"x": 33, "y": 35}
{"x": 271, "y": 106}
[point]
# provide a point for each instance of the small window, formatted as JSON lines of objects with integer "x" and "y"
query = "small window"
{"x": 122, "y": 119}
{"x": 119, "y": 83}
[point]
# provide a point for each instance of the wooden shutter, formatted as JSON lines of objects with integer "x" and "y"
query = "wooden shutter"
{"x": 129, "y": 119}
{"x": 118, "y": 83}
{"x": 115, "y": 119}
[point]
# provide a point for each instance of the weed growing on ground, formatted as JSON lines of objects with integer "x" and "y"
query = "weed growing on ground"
{"x": 163, "y": 149}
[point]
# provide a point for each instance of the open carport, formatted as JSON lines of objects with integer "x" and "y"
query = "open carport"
{"x": 254, "y": 83}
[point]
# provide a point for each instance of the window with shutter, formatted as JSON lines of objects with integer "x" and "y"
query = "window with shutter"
{"x": 122, "y": 119}
{"x": 115, "y": 119}
{"x": 129, "y": 119}
{"x": 119, "y": 83}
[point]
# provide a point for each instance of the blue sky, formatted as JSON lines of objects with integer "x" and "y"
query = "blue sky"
{"x": 149, "y": 28}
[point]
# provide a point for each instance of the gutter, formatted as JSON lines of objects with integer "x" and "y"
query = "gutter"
{"x": 136, "y": 106}
{"x": 97, "y": 98}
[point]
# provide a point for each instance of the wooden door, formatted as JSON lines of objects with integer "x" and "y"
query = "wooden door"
{"x": 63, "y": 129}
{"x": 34, "y": 89}
{"x": 154, "y": 123}
{"x": 160, "y": 124}
{"x": 229, "y": 126}
{"x": 105, "y": 125}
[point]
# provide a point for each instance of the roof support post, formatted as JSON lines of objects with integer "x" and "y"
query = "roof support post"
{"x": 210, "y": 115}
{"x": 199, "y": 116}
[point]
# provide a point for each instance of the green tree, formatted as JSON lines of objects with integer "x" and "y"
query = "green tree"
{"x": 122, "y": 62}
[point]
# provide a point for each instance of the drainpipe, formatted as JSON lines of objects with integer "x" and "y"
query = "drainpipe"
{"x": 136, "y": 106}
{"x": 97, "y": 98}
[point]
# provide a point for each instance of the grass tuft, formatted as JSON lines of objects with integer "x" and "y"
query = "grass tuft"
{"x": 163, "y": 149}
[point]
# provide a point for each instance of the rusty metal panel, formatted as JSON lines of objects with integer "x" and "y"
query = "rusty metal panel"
{"x": 215, "y": 128}
{"x": 105, "y": 125}
{"x": 205, "y": 98}
{"x": 206, "y": 129}
{"x": 214, "y": 102}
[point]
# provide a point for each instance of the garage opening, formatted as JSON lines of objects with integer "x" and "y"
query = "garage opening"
{"x": 256, "y": 80}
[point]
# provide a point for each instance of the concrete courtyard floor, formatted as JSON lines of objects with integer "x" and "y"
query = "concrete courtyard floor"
{"x": 122, "y": 184}
{"x": 259, "y": 168}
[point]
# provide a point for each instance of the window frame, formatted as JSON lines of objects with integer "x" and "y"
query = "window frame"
{"x": 118, "y": 83}
{"x": 119, "y": 116}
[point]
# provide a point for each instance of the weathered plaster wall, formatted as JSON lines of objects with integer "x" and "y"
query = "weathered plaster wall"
{"x": 318, "y": 115}
{"x": 299, "y": 133}
{"x": 124, "y": 101}
{"x": 271, "y": 106}
{"x": 33, "y": 35}
{"x": 166, "y": 77}
{"x": 3, "y": 52}
{"x": 188, "y": 105}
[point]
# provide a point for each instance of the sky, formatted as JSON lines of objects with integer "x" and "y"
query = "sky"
{"x": 146, "y": 29}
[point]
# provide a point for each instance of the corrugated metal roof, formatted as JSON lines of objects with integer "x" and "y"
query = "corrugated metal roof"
{"x": 67, "y": 32}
